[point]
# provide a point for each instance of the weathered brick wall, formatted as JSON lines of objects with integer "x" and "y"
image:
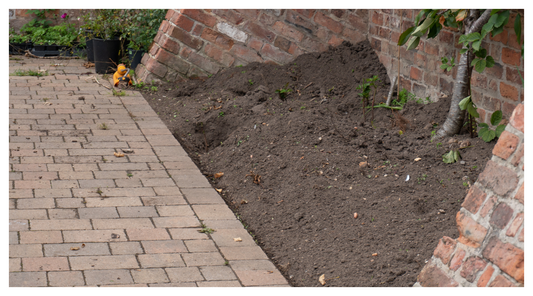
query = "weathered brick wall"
{"x": 497, "y": 88}
{"x": 199, "y": 42}
{"x": 490, "y": 248}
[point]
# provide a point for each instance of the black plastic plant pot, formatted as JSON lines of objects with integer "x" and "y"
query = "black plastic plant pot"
{"x": 135, "y": 57}
{"x": 90, "y": 51}
{"x": 106, "y": 55}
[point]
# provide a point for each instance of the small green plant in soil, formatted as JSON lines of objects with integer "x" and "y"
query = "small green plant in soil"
{"x": 250, "y": 82}
{"x": 366, "y": 88}
{"x": 284, "y": 91}
{"x": 206, "y": 229}
{"x": 153, "y": 88}
{"x": 451, "y": 157}
{"x": 484, "y": 131}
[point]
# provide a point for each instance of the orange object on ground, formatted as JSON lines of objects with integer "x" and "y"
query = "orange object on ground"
{"x": 122, "y": 74}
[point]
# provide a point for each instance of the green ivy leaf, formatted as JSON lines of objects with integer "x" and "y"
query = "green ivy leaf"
{"x": 488, "y": 136}
{"x": 434, "y": 30}
{"x": 443, "y": 66}
{"x": 497, "y": 31}
{"x": 476, "y": 45}
{"x": 500, "y": 129}
{"x": 518, "y": 28}
{"x": 482, "y": 125}
{"x": 502, "y": 20}
{"x": 405, "y": 35}
{"x": 494, "y": 11}
{"x": 496, "y": 117}
{"x": 472, "y": 110}
{"x": 482, "y": 53}
{"x": 473, "y": 36}
{"x": 481, "y": 66}
{"x": 463, "y": 50}
{"x": 413, "y": 42}
{"x": 463, "y": 104}
{"x": 490, "y": 62}
{"x": 474, "y": 62}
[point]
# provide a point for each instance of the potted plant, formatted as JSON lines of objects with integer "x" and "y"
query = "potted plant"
{"x": 102, "y": 28}
{"x": 141, "y": 26}
{"x": 18, "y": 43}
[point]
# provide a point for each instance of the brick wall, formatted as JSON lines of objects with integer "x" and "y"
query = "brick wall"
{"x": 490, "y": 249}
{"x": 497, "y": 88}
{"x": 199, "y": 42}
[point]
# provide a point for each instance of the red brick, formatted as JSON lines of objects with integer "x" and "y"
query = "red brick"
{"x": 470, "y": 232}
{"x": 457, "y": 259}
{"x": 260, "y": 32}
{"x": 328, "y": 22}
{"x": 474, "y": 199}
{"x": 358, "y": 23}
{"x": 513, "y": 75}
{"x": 510, "y": 56}
{"x": 507, "y": 109}
{"x": 200, "y": 16}
{"x": 479, "y": 79}
{"x": 275, "y": 54}
{"x": 245, "y": 53}
{"x": 165, "y": 25}
{"x": 203, "y": 63}
{"x": 182, "y": 21}
{"x": 185, "y": 52}
{"x": 498, "y": 178}
{"x": 395, "y": 36}
{"x": 172, "y": 61}
{"x": 495, "y": 71}
{"x": 471, "y": 267}
{"x": 521, "y": 235}
{"x": 502, "y": 37}
{"x": 416, "y": 74}
{"x": 506, "y": 145}
{"x": 338, "y": 12}
{"x": 517, "y": 222}
{"x": 508, "y": 91}
{"x": 229, "y": 15}
{"x": 445, "y": 249}
{"x": 420, "y": 60}
{"x": 377, "y": 18}
{"x": 485, "y": 277}
{"x": 250, "y": 13}
{"x": 170, "y": 45}
{"x": 353, "y": 36}
{"x": 210, "y": 35}
{"x": 169, "y": 14}
{"x": 432, "y": 276}
{"x": 267, "y": 19}
{"x": 224, "y": 42}
{"x": 501, "y": 281}
{"x": 507, "y": 257}
{"x": 335, "y": 41}
{"x": 295, "y": 19}
{"x": 517, "y": 157}
{"x": 255, "y": 43}
{"x": 287, "y": 31}
{"x": 513, "y": 42}
{"x": 517, "y": 118}
{"x": 198, "y": 30}
{"x": 488, "y": 206}
{"x": 501, "y": 215}
{"x": 213, "y": 52}
{"x": 520, "y": 194}
{"x": 186, "y": 38}
{"x": 308, "y": 13}
{"x": 282, "y": 43}
{"x": 446, "y": 37}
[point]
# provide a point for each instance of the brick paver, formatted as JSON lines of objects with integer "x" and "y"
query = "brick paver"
{"x": 79, "y": 216}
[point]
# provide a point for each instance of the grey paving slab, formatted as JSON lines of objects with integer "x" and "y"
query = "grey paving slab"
{"x": 79, "y": 216}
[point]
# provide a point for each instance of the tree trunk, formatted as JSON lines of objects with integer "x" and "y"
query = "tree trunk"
{"x": 456, "y": 116}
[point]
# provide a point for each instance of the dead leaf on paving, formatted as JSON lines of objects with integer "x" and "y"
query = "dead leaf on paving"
{"x": 118, "y": 154}
{"x": 218, "y": 175}
{"x": 322, "y": 279}
{"x": 237, "y": 239}
{"x": 218, "y": 190}
{"x": 74, "y": 248}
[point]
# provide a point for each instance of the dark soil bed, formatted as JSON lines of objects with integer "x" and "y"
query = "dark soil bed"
{"x": 297, "y": 169}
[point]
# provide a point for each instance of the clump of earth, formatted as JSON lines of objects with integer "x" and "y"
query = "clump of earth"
{"x": 323, "y": 189}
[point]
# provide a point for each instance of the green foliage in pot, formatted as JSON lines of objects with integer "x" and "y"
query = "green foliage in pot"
{"x": 103, "y": 23}
{"x": 15, "y": 38}
{"x": 140, "y": 26}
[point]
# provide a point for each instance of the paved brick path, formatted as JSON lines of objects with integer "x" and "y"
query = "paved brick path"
{"x": 80, "y": 216}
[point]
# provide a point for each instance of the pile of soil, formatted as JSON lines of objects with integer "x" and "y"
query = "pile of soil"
{"x": 297, "y": 169}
